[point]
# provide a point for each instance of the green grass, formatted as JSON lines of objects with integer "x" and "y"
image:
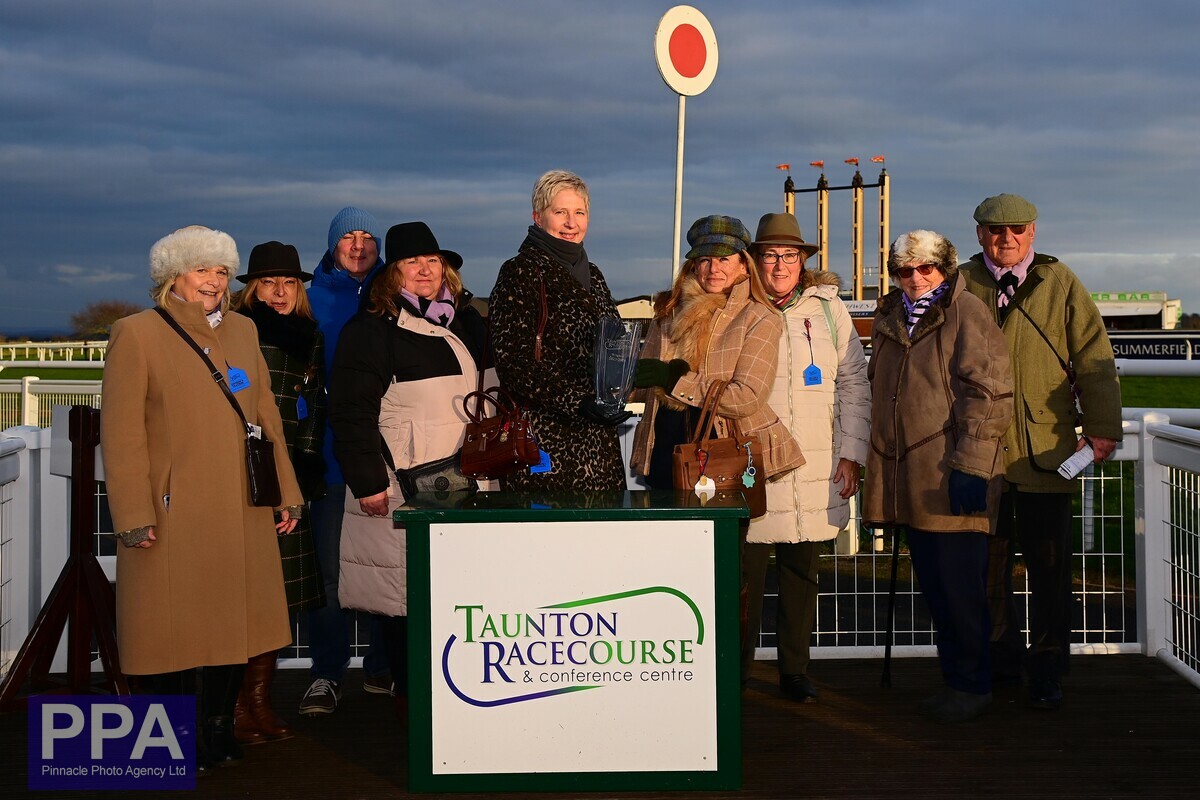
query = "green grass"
{"x": 1159, "y": 392}
{"x": 56, "y": 374}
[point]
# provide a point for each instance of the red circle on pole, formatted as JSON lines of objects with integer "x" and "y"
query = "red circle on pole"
{"x": 687, "y": 50}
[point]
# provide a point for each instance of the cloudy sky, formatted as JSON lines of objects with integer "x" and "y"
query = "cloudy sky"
{"x": 124, "y": 120}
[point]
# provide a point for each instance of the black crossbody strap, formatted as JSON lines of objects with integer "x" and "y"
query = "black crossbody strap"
{"x": 216, "y": 373}
{"x": 1066, "y": 368}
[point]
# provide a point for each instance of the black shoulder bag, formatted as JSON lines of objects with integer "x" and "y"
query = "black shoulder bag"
{"x": 260, "y": 453}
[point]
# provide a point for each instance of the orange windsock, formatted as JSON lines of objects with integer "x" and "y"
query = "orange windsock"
{"x": 784, "y": 167}
{"x": 820, "y": 164}
{"x": 853, "y": 161}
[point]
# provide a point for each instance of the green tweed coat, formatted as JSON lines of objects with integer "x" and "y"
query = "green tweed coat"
{"x": 1042, "y": 434}
{"x": 294, "y": 350}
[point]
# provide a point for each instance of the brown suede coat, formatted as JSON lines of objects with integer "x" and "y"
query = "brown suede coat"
{"x": 941, "y": 400}
{"x": 210, "y": 590}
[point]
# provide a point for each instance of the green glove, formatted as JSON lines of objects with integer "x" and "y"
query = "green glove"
{"x": 655, "y": 372}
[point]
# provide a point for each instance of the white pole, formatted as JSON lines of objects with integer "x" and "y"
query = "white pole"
{"x": 678, "y": 191}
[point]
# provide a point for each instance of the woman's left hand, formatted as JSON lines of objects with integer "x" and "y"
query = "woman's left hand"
{"x": 374, "y": 506}
{"x": 286, "y": 524}
{"x": 847, "y": 474}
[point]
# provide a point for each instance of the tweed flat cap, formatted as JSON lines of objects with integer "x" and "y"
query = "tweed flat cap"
{"x": 717, "y": 236}
{"x": 1005, "y": 209}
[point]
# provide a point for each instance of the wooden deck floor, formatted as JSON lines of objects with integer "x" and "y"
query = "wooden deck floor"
{"x": 1128, "y": 729}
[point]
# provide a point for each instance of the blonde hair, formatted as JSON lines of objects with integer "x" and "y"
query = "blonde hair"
{"x": 388, "y": 283}
{"x": 547, "y": 187}
{"x": 248, "y": 296}
{"x": 162, "y": 291}
{"x": 666, "y": 302}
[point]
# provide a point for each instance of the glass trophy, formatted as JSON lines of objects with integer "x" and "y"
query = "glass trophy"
{"x": 618, "y": 344}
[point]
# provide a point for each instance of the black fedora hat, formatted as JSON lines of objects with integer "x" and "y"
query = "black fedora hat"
{"x": 273, "y": 260}
{"x": 409, "y": 239}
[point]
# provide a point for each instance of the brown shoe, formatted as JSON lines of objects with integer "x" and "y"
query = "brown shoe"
{"x": 260, "y": 671}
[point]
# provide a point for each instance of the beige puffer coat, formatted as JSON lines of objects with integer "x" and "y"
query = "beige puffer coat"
{"x": 831, "y": 420}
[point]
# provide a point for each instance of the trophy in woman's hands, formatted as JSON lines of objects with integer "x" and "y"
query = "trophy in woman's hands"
{"x": 618, "y": 344}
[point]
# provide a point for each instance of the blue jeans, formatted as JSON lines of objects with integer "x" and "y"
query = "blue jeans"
{"x": 329, "y": 626}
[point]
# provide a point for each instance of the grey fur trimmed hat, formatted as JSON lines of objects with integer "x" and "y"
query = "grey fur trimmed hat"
{"x": 189, "y": 248}
{"x": 923, "y": 247}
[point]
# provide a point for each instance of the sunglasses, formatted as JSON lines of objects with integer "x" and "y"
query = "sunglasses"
{"x": 907, "y": 272}
{"x": 998, "y": 230}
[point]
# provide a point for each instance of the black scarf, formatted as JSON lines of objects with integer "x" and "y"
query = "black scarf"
{"x": 570, "y": 255}
{"x": 291, "y": 333}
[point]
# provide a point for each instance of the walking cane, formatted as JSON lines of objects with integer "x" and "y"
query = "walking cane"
{"x": 886, "y": 680}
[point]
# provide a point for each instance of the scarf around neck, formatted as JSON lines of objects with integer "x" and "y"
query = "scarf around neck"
{"x": 917, "y": 308}
{"x": 568, "y": 254}
{"x": 439, "y": 311}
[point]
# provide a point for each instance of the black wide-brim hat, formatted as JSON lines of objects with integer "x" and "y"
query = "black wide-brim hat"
{"x": 274, "y": 260}
{"x": 411, "y": 239}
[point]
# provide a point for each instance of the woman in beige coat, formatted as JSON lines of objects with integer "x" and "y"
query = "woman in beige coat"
{"x": 822, "y": 394}
{"x": 199, "y": 581}
{"x": 941, "y": 401}
{"x": 716, "y": 323}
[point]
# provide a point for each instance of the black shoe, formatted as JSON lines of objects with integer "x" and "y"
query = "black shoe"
{"x": 223, "y": 749}
{"x": 798, "y": 688}
{"x": 961, "y": 706}
{"x": 1046, "y": 695}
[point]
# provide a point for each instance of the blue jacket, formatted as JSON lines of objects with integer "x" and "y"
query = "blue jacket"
{"x": 335, "y": 297}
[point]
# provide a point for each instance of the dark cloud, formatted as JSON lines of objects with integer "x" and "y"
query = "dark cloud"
{"x": 125, "y": 120}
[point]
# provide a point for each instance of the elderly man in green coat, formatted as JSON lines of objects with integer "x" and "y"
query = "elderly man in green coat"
{"x": 1064, "y": 376}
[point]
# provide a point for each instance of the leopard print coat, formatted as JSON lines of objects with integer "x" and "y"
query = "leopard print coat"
{"x": 584, "y": 456}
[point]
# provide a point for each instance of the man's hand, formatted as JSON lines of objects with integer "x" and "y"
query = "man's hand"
{"x": 1101, "y": 447}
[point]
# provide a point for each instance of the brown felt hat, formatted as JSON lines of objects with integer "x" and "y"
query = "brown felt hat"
{"x": 782, "y": 230}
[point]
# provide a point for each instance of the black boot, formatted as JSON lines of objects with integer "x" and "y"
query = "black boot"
{"x": 223, "y": 749}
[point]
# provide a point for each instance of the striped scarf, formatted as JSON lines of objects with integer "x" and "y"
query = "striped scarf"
{"x": 917, "y": 308}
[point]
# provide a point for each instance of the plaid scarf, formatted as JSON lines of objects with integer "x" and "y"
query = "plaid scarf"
{"x": 917, "y": 308}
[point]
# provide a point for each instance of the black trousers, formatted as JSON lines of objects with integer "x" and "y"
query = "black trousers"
{"x": 952, "y": 569}
{"x": 1040, "y": 526}
{"x": 797, "y": 565}
{"x": 395, "y": 640}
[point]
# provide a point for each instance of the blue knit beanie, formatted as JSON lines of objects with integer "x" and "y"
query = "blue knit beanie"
{"x": 350, "y": 219}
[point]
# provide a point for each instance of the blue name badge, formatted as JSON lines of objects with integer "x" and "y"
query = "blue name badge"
{"x": 301, "y": 408}
{"x": 812, "y": 375}
{"x": 105, "y": 743}
{"x": 238, "y": 379}
{"x": 543, "y": 465}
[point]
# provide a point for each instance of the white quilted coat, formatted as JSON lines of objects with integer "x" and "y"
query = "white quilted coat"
{"x": 831, "y": 420}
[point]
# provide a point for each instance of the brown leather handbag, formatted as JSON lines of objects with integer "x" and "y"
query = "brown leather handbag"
{"x": 734, "y": 463}
{"x": 499, "y": 445}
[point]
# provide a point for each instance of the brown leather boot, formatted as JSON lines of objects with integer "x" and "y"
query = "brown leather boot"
{"x": 245, "y": 729}
{"x": 260, "y": 671}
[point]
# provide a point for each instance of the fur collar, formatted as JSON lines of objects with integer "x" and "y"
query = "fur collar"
{"x": 291, "y": 333}
{"x": 690, "y": 326}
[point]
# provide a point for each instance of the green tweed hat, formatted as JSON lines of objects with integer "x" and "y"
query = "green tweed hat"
{"x": 717, "y": 236}
{"x": 1005, "y": 209}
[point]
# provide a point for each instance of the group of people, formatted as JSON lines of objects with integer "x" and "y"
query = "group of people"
{"x": 961, "y": 419}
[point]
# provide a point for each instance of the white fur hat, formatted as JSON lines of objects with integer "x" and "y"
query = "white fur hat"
{"x": 189, "y": 248}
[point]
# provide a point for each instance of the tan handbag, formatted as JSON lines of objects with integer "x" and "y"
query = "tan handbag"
{"x": 731, "y": 462}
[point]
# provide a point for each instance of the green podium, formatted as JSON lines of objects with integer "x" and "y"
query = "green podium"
{"x": 582, "y": 642}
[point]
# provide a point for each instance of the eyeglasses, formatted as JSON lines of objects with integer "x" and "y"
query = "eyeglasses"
{"x": 907, "y": 272}
{"x": 998, "y": 230}
{"x": 771, "y": 258}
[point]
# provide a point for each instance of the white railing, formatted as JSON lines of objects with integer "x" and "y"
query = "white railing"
{"x": 1137, "y": 556}
{"x": 53, "y": 351}
{"x": 29, "y": 401}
